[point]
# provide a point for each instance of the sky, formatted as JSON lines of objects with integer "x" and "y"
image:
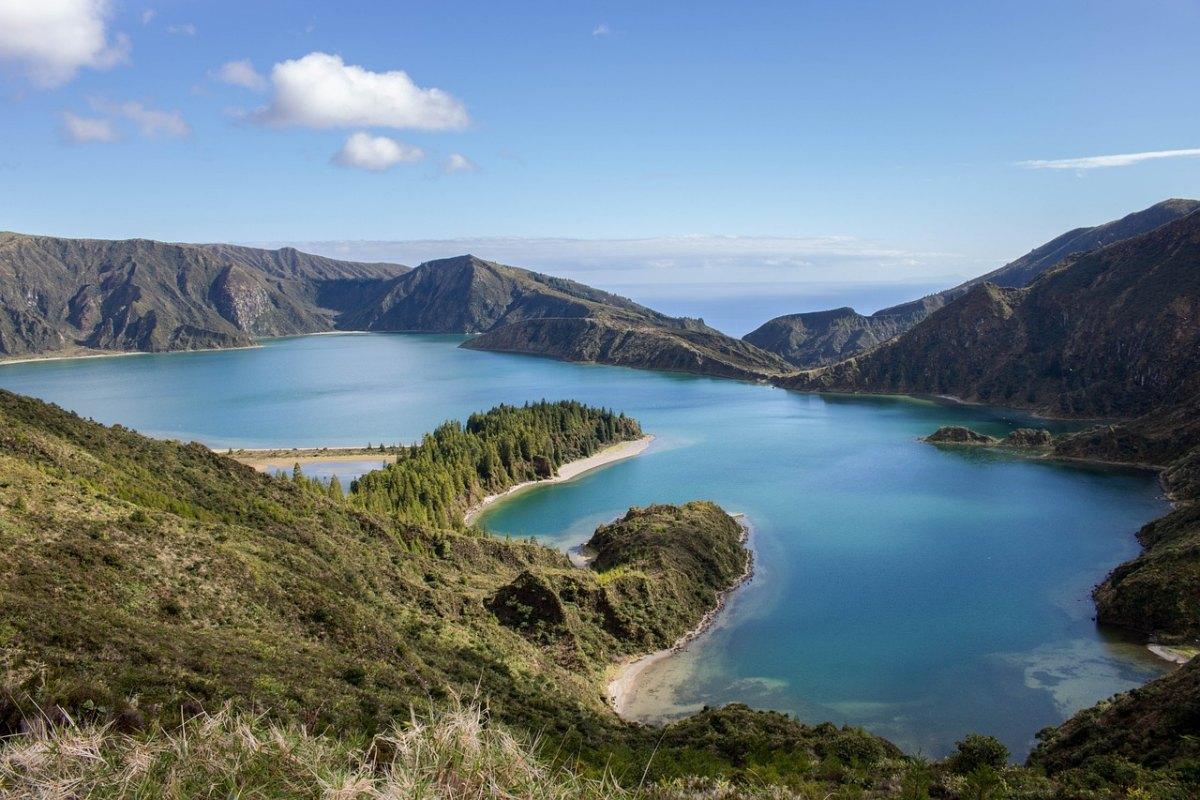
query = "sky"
{"x": 671, "y": 149}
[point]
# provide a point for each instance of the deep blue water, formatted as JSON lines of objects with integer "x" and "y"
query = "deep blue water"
{"x": 924, "y": 593}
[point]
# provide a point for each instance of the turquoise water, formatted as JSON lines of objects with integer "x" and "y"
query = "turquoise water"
{"x": 921, "y": 592}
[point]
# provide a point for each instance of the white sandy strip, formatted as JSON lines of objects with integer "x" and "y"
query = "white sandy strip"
{"x": 1176, "y": 655}
{"x": 572, "y": 469}
{"x": 286, "y": 462}
{"x": 620, "y": 689}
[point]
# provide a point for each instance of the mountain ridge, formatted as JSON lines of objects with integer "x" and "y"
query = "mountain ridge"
{"x": 816, "y": 338}
{"x": 1109, "y": 333}
{"x": 61, "y": 294}
{"x": 74, "y": 296}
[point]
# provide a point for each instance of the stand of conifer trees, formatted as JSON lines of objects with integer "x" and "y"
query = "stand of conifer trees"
{"x": 456, "y": 465}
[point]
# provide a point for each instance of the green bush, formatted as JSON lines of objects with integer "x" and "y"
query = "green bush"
{"x": 977, "y": 751}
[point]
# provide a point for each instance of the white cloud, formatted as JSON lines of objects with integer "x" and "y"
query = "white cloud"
{"x": 148, "y": 16}
{"x": 241, "y": 73}
{"x": 79, "y": 130}
{"x": 375, "y": 153}
{"x": 457, "y": 162}
{"x": 322, "y": 91}
{"x": 185, "y": 29}
{"x": 601, "y": 30}
{"x": 53, "y": 39}
{"x": 1100, "y": 162}
{"x": 151, "y": 122}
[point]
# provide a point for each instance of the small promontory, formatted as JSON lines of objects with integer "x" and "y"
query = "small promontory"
{"x": 670, "y": 564}
{"x": 957, "y": 434}
{"x": 653, "y": 575}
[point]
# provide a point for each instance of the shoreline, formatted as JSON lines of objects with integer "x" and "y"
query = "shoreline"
{"x": 59, "y": 355}
{"x": 1175, "y": 655}
{"x": 566, "y": 472}
{"x": 622, "y": 680}
{"x": 274, "y": 458}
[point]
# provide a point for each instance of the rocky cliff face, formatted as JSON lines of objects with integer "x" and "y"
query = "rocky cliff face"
{"x": 822, "y": 337}
{"x": 605, "y": 340}
{"x": 63, "y": 294}
{"x": 519, "y": 311}
{"x": 1115, "y": 333}
{"x": 67, "y": 294}
{"x": 467, "y": 294}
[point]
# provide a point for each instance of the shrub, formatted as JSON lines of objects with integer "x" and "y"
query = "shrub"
{"x": 977, "y": 751}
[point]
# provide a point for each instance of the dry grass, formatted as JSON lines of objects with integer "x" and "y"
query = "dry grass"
{"x": 456, "y": 755}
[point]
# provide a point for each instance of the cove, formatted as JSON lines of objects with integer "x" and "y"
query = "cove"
{"x": 921, "y": 592}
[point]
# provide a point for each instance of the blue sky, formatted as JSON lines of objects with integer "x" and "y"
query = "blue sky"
{"x": 893, "y": 135}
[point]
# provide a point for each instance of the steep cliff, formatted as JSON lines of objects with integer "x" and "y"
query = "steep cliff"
{"x": 60, "y": 295}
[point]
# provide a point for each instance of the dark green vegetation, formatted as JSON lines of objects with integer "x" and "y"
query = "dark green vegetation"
{"x": 957, "y": 434}
{"x": 1109, "y": 333}
{"x": 456, "y": 465}
{"x": 822, "y": 337}
{"x": 64, "y": 295}
{"x": 141, "y": 577}
{"x": 1151, "y": 728}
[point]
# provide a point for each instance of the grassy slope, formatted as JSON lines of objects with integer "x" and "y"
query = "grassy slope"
{"x": 142, "y": 577}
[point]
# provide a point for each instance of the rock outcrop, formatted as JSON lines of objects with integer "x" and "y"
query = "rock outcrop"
{"x": 956, "y": 434}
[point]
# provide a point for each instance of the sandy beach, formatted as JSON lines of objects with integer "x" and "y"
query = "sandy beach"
{"x": 621, "y": 687}
{"x": 573, "y": 469}
{"x": 1176, "y": 655}
{"x": 278, "y": 458}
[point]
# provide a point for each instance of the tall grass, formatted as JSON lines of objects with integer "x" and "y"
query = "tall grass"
{"x": 454, "y": 755}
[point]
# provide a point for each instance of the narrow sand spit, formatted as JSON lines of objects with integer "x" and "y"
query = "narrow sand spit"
{"x": 621, "y": 688}
{"x": 267, "y": 460}
{"x": 1176, "y": 655}
{"x": 573, "y": 469}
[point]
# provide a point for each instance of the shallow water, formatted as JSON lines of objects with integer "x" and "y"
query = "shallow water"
{"x": 921, "y": 592}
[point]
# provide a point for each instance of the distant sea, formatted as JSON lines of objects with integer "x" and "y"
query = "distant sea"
{"x": 738, "y": 308}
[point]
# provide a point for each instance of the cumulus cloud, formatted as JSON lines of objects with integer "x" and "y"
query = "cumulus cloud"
{"x": 1101, "y": 162}
{"x": 375, "y": 153}
{"x": 457, "y": 162}
{"x": 80, "y": 130}
{"x": 184, "y": 29}
{"x": 241, "y": 73}
{"x": 601, "y": 30}
{"x": 322, "y": 91}
{"x": 53, "y": 39}
{"x": 148, "y": 16}
{"x": 151, "y": 122}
